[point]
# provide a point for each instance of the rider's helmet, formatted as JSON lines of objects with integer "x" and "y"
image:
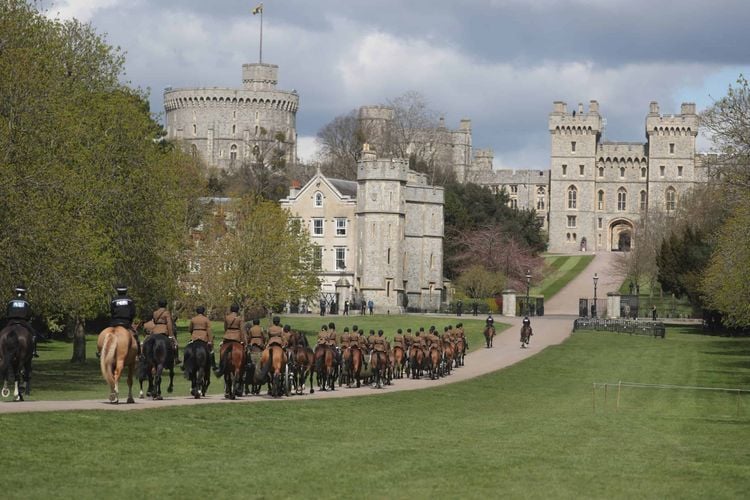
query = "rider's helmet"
{"x": 346, "y": 329}
{"x": 287, "y": 328}
{"x": 256, "y": 321}
{"x": 324, "y": 327}
{"x": 234, "y": 308}
{"x": 121, "y": 289}
{"x": 276, "y": 320}
{"x": 200, "y": 310}
{"x": 399, "y": 331}
{"x": 20, "y": 289}
{"x": 355, "y": 328}
{"x": 162, "y": 303}
{"x": 380, "y": 333}
{"x": 331, "y": 325}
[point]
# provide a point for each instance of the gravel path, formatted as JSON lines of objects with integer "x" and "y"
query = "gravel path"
{"x": 582, "y": 286}
{"x": 548, "y": 330}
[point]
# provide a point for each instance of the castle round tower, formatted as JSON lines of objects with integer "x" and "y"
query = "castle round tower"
{"x": 375, "y": 122}
{"x": 380, "y": 214}
{"x": 226, "y": 126}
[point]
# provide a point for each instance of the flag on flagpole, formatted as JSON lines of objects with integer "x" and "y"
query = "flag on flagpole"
{"x": 258, "y": 9}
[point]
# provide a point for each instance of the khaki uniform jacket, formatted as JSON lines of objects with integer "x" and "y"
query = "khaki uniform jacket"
{"x": 285, "y": 336}
{"x": 379, "y": 344}
{"x": 398, "y": 340}
{"x": 419, "y": 341}
{"x": 354, "y": 339}
{"x": 370, "y": 341}
{"x": 333, "y": 338}
{"x": 200, "y": 329}
{"x": 163, "y": 322}
{"x": 274, "y": 335}
{"x": 323, "y": 337}
{"x": 233, "y": 328}
{"x": 345, "y": 337}
{"x": 256, "y": 336}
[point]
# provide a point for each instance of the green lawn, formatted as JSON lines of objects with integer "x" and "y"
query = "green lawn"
{"x": 55, "y": 378}
{"x": 525, "y": 431}
{"x": 560, "y": 270}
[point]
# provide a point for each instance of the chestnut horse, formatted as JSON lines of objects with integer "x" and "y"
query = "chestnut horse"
{"x": 355, "y": 365}
{"x": 398, "y": 361}
{"x": 15, "y": 359}
{"x": 416, "y": 359}
{"x": 325, "y": 367}
{"x": 253, "y": 380}
{"x": 379, "y": 364}
{"x": 448, "y": 358}
{"x": 232, "y": 367}
{"x": 460, "y": 351}
{"x": 302, "y": 366}
{"x": 118, "y": 349}
{"x": 434, "y": 362}
{"x": 489, "y": 334}
{"x": 273, "y": 363}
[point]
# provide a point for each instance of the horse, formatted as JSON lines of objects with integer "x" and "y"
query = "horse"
{"x": 489, "y": 334}
{"x": 253, "y": 381}
{"x": 448, "y": 353}
{"x": 232, "y": 367}
{"x": 416, "y": 357}
{"x": 273, "y": 362}
{"x": 526, "y": 334}
{"x": 460, "y": 351}
{"x": 346, "y": 375}
{"x": 379, "y": 364}
{"x": 118, "y": 349}
{"x": 157, "y": 355}
{"x": 196, "y": 367}
{"x": 355, "y": 365}
{"x": 433, "y": 360}
{"x": 303, "y": 359}
{"x": 398, "y": 361}
{"x": 16, "y": 348}
{"x": 325, "y": 367}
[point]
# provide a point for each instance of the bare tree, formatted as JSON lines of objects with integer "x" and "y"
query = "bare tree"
{"x": 340, "y": 143}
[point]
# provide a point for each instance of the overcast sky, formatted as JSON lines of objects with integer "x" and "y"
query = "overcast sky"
{"x": 500, "y": 63}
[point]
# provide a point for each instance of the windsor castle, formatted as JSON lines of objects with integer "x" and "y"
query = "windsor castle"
{"x": 381, "y": 237}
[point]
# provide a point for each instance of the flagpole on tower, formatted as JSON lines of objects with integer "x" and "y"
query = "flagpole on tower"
{"x": 259, "y": 10}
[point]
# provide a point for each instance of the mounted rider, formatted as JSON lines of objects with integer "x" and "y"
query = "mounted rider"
{"x": 18, "y": 311}
{"x": 275, "y": 332}
{"x": 323, "y": 335}
{"x": 163, "y": 325}
{"x": 233, "y": 326}
{"x": 122, "y": 312}
{"x": 379, "y": 344}
{"x": 398, "y": 340}
{"x": 257, "y": 337}
{"x": 345, "y": 338}
{"x": 526, "y": 321}
{"x": 200, "y": 330}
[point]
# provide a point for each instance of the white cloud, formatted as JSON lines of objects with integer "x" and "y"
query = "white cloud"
{"x": 83, "y": 10}
{"x": 307, "y": 149}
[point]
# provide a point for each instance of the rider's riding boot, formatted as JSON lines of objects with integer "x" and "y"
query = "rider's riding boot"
{"x": 177, "y": 355}
{"x": 213, "y": 361}
{"x": 34, "y": 353}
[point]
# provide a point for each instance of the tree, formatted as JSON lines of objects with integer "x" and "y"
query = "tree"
{"x": 477, "y": 283}
{"x": 341, "y": 143}
{"x": 90, "y": 195}
{"x": 264, "y": 172}
{"x": 262, "y": 258}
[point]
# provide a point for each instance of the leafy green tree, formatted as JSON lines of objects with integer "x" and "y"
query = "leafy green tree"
{"x": 477, "y": 283}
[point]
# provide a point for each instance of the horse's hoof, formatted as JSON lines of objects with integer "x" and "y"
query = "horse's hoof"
{"x": 131, "y": 400}
{"x": 113, "y": 398}
{"x": 170, "y": 389}
{"x": 159, "y": 397}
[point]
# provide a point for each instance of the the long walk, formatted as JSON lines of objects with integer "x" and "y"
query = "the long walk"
{"x": 566, "y": 300}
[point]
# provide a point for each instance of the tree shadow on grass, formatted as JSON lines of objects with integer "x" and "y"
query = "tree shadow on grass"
{"x": 64, "y": 376}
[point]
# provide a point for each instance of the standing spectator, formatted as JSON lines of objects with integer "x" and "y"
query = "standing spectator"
{"x": 475, "y": 308}
{"x": 459, "y": 308}
{"x": 370, "y": 306}
{"x": 364, "y": 307}
{"x": 653, "y": 312}
{"x": 346, "y": 307}
{"x": 322, "y": 307}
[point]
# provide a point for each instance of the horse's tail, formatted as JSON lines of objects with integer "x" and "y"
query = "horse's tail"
{"x": 226, "y": 359}
{"x": 11, "y": 346}
{"x": 188, "y": 360}
{"x": 266, "y": 366}
{"x": 107, "y": 359}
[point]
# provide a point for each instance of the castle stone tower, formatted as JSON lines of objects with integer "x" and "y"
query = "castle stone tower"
{"x": 226, "y": 126}
{"x": 375, "y": 122}
{"x": 380, "y": 214}
{"x": 575, "y": 137}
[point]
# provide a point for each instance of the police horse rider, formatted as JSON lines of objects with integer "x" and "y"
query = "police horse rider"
{"x": 122, "y": 312}
{"x": 18, "y": 311}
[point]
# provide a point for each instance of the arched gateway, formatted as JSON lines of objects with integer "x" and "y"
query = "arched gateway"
{"x": 621, "y": 235}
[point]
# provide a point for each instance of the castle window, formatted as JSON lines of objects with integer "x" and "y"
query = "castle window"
{"x": 195, "y": 129}
{"x": 514, "y": 189}
{"x": 567, "y": 236}
{"x": 234, "y": 129}
{"x": 513, "y": 203}
{"x": 564, "y": 170}
{"x": 388, "y": 256}
{"x": 581, "y": 169}
{"x": 679, "y": 171}
{"x": 643, "y": 173}
{"x": 601, "y": 171}
{"x": 540, "y": 198}
{"x": 671, "y": 199}
{"x": 644, "y": 200}
{"x": 622, "y": 198}
{"x": 256, "y": 131}
{"x": 671, "y": 148}
{"x": 341, "y": 226}
{"x": 600, "y": 200}
{"x": 317, "y": 257}
{"x": 575, "y": 237}
{"x": 622, "y": 172}
{"x": 234, "y": 114}
{"x": 573, "y": 146}
{"x": 318, "y": 199}
{"x": 432, "y": 261}
{"x": 572, "y": 197}
{"x": 662, "y": 169}
{"x": 571, "y": 221}
{"x": 599, "y": 222}
{"x": 340, "y": 258}
{"x": 233, "y": 152}
{"x": 317, "y": 227}
{"x": 193, "y": 150}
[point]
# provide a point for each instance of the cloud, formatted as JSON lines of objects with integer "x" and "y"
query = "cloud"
{"x": 83, "y": 10}
{"x": 307, "y": 148}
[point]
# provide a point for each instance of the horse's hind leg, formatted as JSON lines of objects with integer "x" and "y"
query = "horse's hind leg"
{"x": 171, "y": 381}
{"x": 114, "y": 398}
{"x": 130, "y": 385}
{"x": 27, "y": 378}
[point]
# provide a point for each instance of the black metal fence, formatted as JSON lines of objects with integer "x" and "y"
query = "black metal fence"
{"x": 629, "y": 326}
{"x": 588, "y": 308}
{"x": 535, "y": 306}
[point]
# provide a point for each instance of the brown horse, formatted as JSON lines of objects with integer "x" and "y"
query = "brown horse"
{"x": 459, "y": 351}
{"x": 448, "y": 358}
{"x": 16, "y": 347}
{"x": 416, "y": 360}
{"x": 355, "y": 365}
{"x": 434, "y": 362}
{"x": 379, "y": 364}
{"x": 526, "y": 334}
{"x": 489, "y": 334}
{"x": 118, "y": 349}
{"x": 253, "y": 380}
{"x": 302, "y": 365}
{"x": 273, "y": 362}
{"x": 232, "y": 368}
{"x": 325, "y": 367}
{"x": 398, "y": 361}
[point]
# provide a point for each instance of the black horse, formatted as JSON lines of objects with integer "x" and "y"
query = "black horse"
{"x": 16, "y": 351}
{"x": 196, "y": 367}
{"x": 157, "y": 355}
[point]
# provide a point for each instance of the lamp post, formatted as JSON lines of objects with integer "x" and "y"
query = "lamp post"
{"x": 593, "y": 309}
{"x": 528, "y": 284}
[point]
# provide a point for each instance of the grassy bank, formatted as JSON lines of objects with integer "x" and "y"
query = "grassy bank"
{"x": 561, "y": 270}
{"x": 526, "y": 431}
